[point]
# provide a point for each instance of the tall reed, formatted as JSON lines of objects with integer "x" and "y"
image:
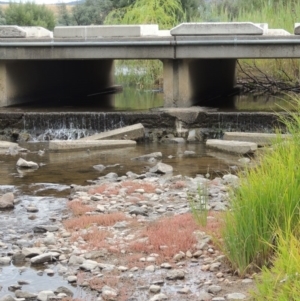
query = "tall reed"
{"x": 282, "y": 281}
{"x": 267, "y": 199}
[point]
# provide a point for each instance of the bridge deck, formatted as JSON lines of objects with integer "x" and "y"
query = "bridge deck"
{"x": 188, "y": 47}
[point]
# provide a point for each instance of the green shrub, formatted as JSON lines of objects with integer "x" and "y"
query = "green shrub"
{"x": 267, "y": 199}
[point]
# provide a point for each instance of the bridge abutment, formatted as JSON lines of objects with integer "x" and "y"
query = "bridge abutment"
{"x": 25, "y": 81}
{"x": 197, "y": 81}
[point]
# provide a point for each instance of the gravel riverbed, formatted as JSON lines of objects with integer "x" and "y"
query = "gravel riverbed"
{"x": 130, "y": 237}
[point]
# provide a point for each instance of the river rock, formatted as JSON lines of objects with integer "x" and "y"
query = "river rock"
{"x": 159, "y": 297}
{"x": 45, "y": 257}
{"x": 7, "y": 298}
{"x": 138, "y": 210}
{"x": 25, "y": 295}
{"x": 235, "y": 297}
{"x": 89, "y": 265}
{"x": 7, "y": 201}
{"x": 162, "y": 168}
{"x": 238, "y": 147}
{"x": 5, "y": 260}
{"x": 27, "y": 164}
{"x": 44, "y": 295}
{"x": 45, "y": 228}
{"x": 214, "y": 289}
{"x": 31, "y": 252}
{"x": 99, "y": 167}
{"x": 176, "y": 274}
{"x": 64, "y": 290}
{"x": 156, "y": 155}
{"x": 18, "y": 257}
{"x": 109, "y": 294}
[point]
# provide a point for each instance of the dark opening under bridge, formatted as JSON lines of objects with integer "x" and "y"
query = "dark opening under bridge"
{"x": 199, "y": 59}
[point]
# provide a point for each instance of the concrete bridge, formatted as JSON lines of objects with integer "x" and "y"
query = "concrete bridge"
{"x": 199, "y": 59}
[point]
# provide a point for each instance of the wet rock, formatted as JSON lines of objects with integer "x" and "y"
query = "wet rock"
{"x": 50, "y": 239}
{"x": 45, "y": 257}
{"x": 44, "y": 295}
{"x": 156, "y": 155}
{"x": 138, "y": 210}
{"x": 31, "y": 252}
{"x": 5, "y": 260}
{"x": 72, "y": 279}
{"x": 14, "y": 287}
{"x": 45, "y": 228}
{"x": 204, "y": 296}
{"x": 18, "y": 258}
{"x": 214, "y": 289}
{"x": 76, "y": 260}
{"x": 7, "y": 201}
{"x": 89, "y": 265}
{"x": 7, "y": 298}
{"x": 64, "y": 290}
{"x": 175, "y": 274}
{"x": 235, "y": 297}
{"x": 162, "y": 168}
{"x": 188, "y": 153}
{"x": 109, "y": 294}
{"x": 154, "y": 289}
{"x": 32, "y": 209}
{"x": 159, "y": 297}
{"x": 25, "y": 295}
{"x": 27, "y": 164}
{"x": 99, "y": 167}
{"x": 106, "y": 266}
{"x": 49, "y": 272}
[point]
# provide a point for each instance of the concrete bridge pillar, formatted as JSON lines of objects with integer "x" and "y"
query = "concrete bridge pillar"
{"x": 197, "y": 81}
{"x": 26, "y": 81}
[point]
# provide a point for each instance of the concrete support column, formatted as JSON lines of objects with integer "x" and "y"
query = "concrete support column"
{"x": 197, "y": 81}
{"x": 37, "y": 80}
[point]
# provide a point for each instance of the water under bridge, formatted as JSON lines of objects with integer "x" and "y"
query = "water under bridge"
{"x": 199, "y": 59}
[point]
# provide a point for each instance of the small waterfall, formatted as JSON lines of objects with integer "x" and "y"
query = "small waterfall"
{"x": 69, "y": 126}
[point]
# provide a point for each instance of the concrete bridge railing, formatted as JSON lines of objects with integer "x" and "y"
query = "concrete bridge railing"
{"x": 199, "y": 59}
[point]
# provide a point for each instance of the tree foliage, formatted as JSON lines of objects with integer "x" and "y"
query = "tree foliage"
{"x": 166, "y": 13}
{"x": 29, "y": 14}
{"x": 92, "y": 11}
{"x": 64, "y": 17}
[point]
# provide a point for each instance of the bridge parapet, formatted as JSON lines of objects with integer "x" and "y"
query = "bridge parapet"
{"x": 13, "y": 31}
{"x": 92, "y": 32}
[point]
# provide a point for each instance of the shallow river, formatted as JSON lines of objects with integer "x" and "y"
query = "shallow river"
{"x": 48, "y": 187}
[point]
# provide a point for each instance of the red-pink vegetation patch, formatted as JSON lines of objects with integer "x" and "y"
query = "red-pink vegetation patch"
{"x": 178, "y": 185}
{"x": 133, "y": 186}
{"x": 168, "y": 236}
{"x": 95, "y": 238}
{"x": 86, "y": 221}
{"x": 132, "y": 260}
{"x": 106, "y": 189}
{"x": 215, "y": 224}
{"x": 78, "y": 208}
{"x": 113, "y": 280}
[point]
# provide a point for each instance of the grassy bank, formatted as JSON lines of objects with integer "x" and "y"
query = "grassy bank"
{"x": 262, "y": 229}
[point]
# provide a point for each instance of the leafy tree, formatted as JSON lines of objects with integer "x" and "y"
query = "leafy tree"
{"x": 64, "y": 16}
{"x": 166, "y": 13}
{"x": 92, "y": 12}
{"x": 2, "y": 17}
{"x": 191, "y": 9}
{"x": 29, "y": 14}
